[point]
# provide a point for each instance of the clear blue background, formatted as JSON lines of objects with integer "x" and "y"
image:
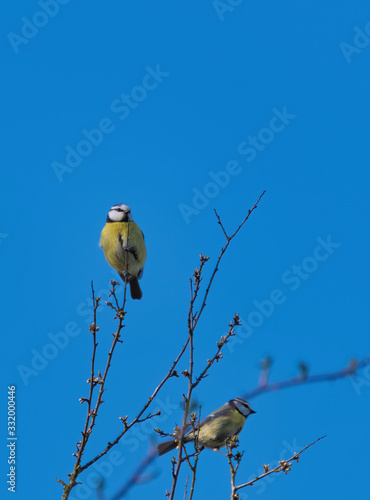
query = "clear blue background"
{"x": 224, "y": 80}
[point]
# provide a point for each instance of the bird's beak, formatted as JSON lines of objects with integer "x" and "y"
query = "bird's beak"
{"x": 252, "y": 411}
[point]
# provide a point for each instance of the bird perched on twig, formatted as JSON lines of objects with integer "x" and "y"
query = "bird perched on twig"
{"x": 214, "y": 430}
{"x": 124, "y": 248}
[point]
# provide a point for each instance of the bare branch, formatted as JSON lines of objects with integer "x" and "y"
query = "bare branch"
{"x": 197, "y": 448}
{"x": 223, "y": 250}
{"x": 235, "y": 322}
{"x": 127, "y": 427}
{"x": 193, "y": 318}
{"x": 285, "y": 466}
{"x": 222, "y": 226}
{"x": 231, "y": 444}
{"x": 94, "y": 381}
{"x": 351, "y": 369}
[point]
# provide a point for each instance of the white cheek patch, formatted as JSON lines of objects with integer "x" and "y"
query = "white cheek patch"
{"x": 115, "y": 216}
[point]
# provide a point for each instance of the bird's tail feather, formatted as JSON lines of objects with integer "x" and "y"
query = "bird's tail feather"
{"x": 135, "y": 289}
{"x": 166, "y": 447}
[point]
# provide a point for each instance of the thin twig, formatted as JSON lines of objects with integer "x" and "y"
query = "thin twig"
{"x": 186, "y": 487}
{"x": 235, "y": 322}
{"x": 352, "y": 368}
{"x": 223, "y": 250}
{"x": 94, "y": 381}
{"x": 230, "y": 445}
{"x": 127, "y": 427}
{"x": 220, "y": 222}
{"x": 197, "y": 449}
{"x": 189, "y": 373}
{"x": 120, "y": 315}
{"x": 284, "y": 466}
{"x": 193, "y": 318}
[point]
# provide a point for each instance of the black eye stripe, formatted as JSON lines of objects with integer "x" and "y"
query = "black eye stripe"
{"x": 244, "y": 403}
{"x": 121, "y": 210}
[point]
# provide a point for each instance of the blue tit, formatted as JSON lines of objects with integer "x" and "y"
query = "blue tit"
{"x": 215, "y": 429}
{"x": 124, "y": 248}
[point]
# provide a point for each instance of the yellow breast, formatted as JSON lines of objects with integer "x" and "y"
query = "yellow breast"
{"x": 115, "y": 237}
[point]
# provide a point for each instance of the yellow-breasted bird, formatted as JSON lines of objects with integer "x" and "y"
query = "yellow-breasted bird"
{"x": 215, "y": 429}
{"x": 124, "y": 248}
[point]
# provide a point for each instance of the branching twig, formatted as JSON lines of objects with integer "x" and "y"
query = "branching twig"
{"x": 284, "y": 466}
{"x": 171, "y": 373}
{"x": 232, "y": 444}
{"x": 186, "y": 487}
{"x": 235, "y": 322}
{"x": 352, "y": 368}
{"x": 193, "y": 467}
{"x": 193, "y": 319}
{"x": 223, "y": 250}
{"x": 94, "y": 381}
{"x": 197, "y": 451}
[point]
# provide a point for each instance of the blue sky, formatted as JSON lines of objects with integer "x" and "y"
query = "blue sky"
{"x": 177, "y": 109}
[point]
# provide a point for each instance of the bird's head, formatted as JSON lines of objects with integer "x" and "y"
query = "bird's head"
{"x": 119, "y": 213}
{"x": 242, "y": 406}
